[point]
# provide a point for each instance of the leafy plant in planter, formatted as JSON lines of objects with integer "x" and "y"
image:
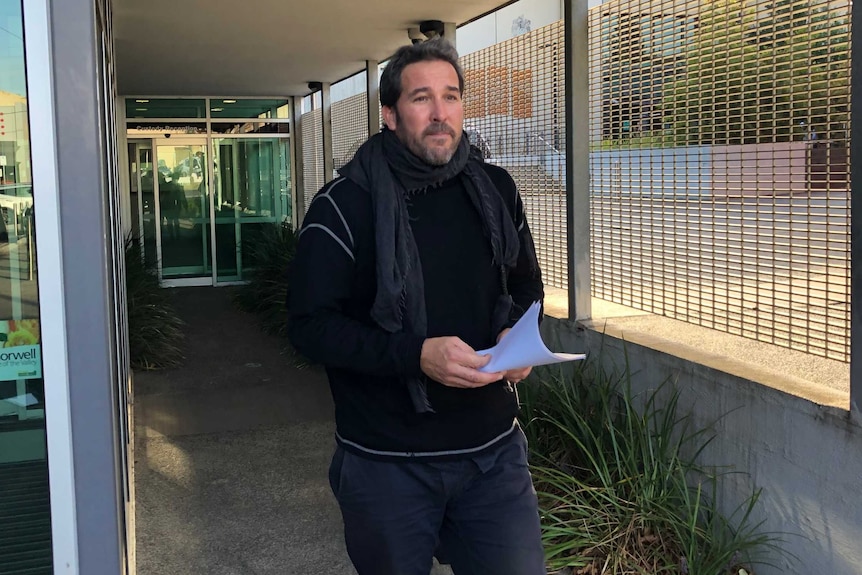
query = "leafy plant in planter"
{"x": 155, "y": 330}
{"x": 619, "y": 488}
{"x": 269, "y": 253}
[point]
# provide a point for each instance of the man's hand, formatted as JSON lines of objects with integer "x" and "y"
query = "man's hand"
{"x": 514, "y": 375}
{"x": 454, "y": 363}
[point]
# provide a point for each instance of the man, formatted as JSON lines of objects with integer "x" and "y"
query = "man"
{"x": 405, "y": 266}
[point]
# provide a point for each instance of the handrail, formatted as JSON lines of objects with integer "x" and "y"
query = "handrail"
{"x": 548, "y": 147}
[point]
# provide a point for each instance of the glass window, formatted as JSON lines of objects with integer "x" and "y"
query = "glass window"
{"x": 25, "y": 536}
{"x": 166, "y": 108}
{"x": 253, "y": 109}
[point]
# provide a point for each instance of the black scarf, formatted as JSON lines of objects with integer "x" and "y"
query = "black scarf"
{"x": 389, "y": 171}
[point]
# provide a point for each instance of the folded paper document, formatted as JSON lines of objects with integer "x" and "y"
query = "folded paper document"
{"x": 523, "y": 346}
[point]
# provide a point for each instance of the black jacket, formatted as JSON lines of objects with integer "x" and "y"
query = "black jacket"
{"x": 332, "y": 288}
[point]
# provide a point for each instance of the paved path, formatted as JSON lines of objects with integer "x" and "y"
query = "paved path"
{"x": 231, "y": 455}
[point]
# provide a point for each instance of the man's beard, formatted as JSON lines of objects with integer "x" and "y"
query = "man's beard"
{"x": 433, "y": 155}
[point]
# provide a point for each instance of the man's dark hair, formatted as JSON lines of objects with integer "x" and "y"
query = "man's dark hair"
{"x": 435, "y": 49}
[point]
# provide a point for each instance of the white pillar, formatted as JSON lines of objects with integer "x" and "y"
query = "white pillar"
{"x": 296, "y": 167}
{"x": 373, "y": 94}
{"x": 449, "y": 32}
{"x": 326, "y": 109}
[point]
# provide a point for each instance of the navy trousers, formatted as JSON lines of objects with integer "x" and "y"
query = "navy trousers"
{"x": 478, "y": 514}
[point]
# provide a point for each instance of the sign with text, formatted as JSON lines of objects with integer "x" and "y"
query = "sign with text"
{"x": 20, "y": 349}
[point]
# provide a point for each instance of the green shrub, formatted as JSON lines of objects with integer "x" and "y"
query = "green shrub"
{"x": 620, "y": 491}
{"x": 270, "y": 253}
{"x": 155, "y": 330}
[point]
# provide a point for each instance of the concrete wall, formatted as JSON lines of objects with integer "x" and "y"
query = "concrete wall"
{"x": 513, "y": 20}
{"x": 653, "y": 171}
{"x": 753, "y": 169}
{"x": 803, "y": 453}
{"x": 779, "y": 168}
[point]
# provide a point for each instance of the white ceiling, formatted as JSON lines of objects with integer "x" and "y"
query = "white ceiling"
{"x": 263, "y": 47}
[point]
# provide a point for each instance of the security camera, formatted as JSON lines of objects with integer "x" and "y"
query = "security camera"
{"x": 431, "y": 28}
{"x": 167, "y": 135}
{"x": 415, "y": 35}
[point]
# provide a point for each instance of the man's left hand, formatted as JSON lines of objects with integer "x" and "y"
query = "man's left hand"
{"x": 514, "y": 375}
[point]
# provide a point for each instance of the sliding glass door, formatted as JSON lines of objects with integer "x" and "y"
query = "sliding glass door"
{"x": 183, "y": 208}
{"x": 177, "y": 195}
{"x": 251, "y": 189}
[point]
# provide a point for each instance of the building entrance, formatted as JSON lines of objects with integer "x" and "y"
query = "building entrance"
{"x": 204, "y": 193}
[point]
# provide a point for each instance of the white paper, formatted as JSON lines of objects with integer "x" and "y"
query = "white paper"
{"x": 523, "y": 346}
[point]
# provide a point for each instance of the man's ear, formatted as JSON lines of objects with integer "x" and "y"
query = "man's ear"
{"x": 390, "y": 117}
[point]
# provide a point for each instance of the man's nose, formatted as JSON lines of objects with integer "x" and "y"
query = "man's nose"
{"x": 439, "y": 112}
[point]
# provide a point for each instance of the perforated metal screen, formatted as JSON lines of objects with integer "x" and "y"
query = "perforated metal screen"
{"x": 719, "y": 160}
{"x": 514, "y": 111}
{"x": 312, "y": 154}
{"x": 349, "y": 127}
{"x": 719, "y": 166}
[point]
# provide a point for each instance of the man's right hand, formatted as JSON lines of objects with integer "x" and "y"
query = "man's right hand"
{"x": 454, "y": 363}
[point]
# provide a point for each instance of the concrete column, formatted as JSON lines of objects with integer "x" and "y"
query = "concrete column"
{"x": 450, "y": 32}
{"x": 577, "y": 158}
{"x": 79, "y": 249}
{"x": 296, "y": 167}
{"x": 326, "y": 109}
{"x": 373, "y": 93}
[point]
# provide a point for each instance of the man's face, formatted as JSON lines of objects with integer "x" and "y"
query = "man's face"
{"x": 429, "y": 115}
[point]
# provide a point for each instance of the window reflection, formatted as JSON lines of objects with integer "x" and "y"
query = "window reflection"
{"x": 20, "y": 350}
{"x": 26, "y": 528}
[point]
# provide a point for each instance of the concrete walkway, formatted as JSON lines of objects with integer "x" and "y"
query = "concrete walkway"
{"x": 231, "y": 454}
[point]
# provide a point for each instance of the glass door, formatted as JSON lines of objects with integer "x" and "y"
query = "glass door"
{"x": 183, "y": 209}
{"x": 252, "y": 198}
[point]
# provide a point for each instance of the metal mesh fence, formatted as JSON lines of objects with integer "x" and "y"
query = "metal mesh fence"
{"x": 312, "y": 154}
{"x": 514, "y": 112}
{"x": 349, "y": 127}
{"x": 719, "y": 159}
{"x": 719, "y": 165}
